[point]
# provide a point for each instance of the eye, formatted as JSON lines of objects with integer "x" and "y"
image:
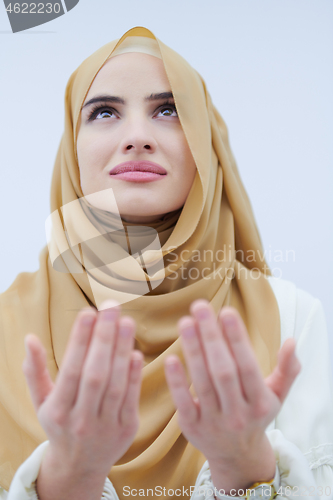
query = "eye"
{"x": 167, "y": 110}
{"x": 101, "y": 112}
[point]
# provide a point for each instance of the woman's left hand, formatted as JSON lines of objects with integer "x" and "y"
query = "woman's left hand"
{"x": 234, "y": 403}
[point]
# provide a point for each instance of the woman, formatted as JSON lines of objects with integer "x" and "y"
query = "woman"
{"x": 178, "y": 239}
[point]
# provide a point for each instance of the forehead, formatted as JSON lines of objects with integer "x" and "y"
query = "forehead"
{"x": 131, "y": 72}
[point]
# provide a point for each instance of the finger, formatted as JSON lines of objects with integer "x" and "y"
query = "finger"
{"x": 97, "y": 365}
{"x": 197, "y": 366}
{"x": 222, "y": 368}
{"x": 35, "y": 370}
{"x": 176, "y": 379}
{"x": 238, "y": 340}
{"x": 118, "y": 379}
{"x": 285, "y": 372}
{"x": 67, "y": 385}
{"x": 129, "y": 410}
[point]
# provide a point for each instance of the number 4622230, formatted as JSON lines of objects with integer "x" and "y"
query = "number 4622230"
{"x": 33, "y": 8}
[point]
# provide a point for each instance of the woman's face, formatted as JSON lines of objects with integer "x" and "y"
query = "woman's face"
{"x": 132, "y": 124}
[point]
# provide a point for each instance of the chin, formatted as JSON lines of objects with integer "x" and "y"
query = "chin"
{"x": 141, "y": 209}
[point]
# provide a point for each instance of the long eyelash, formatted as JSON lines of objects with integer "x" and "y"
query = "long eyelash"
{"x": 98, "y": 108}
{"x": 167, "y": 104}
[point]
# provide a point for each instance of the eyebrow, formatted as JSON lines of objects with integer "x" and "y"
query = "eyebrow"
{"x": 119, "y": 100}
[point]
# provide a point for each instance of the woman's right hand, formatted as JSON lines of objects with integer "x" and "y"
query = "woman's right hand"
{"x": 90, "y": 414}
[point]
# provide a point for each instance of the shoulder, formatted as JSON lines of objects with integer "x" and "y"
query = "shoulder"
{"x": 297, "y": 308}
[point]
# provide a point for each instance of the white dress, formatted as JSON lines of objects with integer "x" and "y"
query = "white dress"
{"x": 302, "y": 433}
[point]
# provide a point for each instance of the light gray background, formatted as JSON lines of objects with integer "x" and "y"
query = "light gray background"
{"x": 269, "y": 67}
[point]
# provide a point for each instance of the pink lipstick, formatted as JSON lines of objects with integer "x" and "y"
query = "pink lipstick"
{"x": 138, "y": 171}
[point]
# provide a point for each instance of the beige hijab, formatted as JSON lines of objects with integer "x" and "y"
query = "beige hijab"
{"x": 209, "y": 249}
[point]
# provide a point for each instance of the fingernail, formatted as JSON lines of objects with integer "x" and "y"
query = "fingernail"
{"x": 188, "y": 332}
{"x": 171, "y": 365}
{"x": 125, "y": 331}
{"x": 88, "y": 319}
{"x": 109, "y": 314}
{"x": 186, "y": 327}
{"x": 229, "y": 323}
{"x": 202, "y": 314}
{"x": 137, "y": 361}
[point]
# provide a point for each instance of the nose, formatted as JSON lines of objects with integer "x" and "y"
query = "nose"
{"x": 138, "y": 138}
{"x": 137, "y": 147}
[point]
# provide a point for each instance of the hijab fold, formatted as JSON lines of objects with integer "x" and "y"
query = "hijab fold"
{"x": 199, "y": 251}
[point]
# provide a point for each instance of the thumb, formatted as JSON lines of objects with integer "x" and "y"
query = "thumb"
{"x": 35, "y": 370}
{"x": 287, "y": 369}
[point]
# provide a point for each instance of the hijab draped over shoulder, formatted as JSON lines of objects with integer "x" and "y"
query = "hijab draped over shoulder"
{"x": 209, "y": 249}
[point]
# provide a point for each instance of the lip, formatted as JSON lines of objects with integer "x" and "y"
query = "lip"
{"x": 138, "y": 166}
{"x": 138, "y": 176}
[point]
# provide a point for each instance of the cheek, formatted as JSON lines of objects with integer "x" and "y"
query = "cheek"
{"x": 175, "y": 148}
{"x": 90, "y": 159}
{"x": 188, "y": 163}
{"x": 93, "y": 151}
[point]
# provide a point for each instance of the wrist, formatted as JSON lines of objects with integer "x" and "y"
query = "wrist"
{"x": 60, "y": 479}
{"x": 241, "y": 473}
{"x": 75, "y": 463}
{"x": 265, "y": 490}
